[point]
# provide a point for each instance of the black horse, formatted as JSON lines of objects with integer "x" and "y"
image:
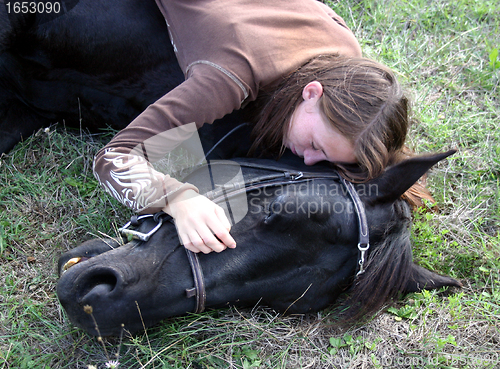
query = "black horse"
{"x": 94, "y": 64}
{"x": 298, "y": 248}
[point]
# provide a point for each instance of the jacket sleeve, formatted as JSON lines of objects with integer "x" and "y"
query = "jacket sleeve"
{"x": 124, "y": 167}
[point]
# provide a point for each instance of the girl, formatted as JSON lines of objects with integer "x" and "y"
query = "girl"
{"x": 297, "y": 58}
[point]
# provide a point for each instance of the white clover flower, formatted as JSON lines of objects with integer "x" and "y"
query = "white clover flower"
{"x": 112, "y": 364}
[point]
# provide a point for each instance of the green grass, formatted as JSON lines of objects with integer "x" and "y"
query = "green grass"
{"x": 444, "y": 53}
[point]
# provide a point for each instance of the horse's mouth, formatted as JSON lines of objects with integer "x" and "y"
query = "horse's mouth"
{"x": 72, "y": 262}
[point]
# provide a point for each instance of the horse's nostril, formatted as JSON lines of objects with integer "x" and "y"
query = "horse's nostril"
{"x": 99, "y": 284}
{"x": 100, "y": 290}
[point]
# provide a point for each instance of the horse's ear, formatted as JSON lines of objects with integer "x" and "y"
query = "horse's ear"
{"x": 400, "y": 177}
{"x": 423, "y": 279}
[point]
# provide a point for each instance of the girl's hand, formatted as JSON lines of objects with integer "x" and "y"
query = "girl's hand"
{"x": 199, "y": 221}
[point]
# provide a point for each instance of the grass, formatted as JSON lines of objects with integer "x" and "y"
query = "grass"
{"x": 446, "y": 54}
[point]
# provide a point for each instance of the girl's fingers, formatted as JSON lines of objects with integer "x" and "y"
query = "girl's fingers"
{"x": 221, "y": 215}
{"x": 205, "y": 237}
{"x": 202, "y": 225}
{"x": 196, "y": 244}
{"x": 202, "y": 241}
{"x": 222, "y": 227}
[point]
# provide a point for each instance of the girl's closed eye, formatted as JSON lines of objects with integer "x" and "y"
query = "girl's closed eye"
{"x": 317, "y": 148}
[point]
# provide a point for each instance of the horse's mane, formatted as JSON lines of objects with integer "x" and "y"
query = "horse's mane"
{"x": 417, "y": 194}
{"x": 387, "y": 271}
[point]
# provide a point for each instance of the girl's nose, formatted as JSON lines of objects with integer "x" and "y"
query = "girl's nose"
{"x": 311, "y": 157}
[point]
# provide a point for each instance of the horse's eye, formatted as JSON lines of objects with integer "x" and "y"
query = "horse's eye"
{"x": 271, "y": 211}
{"x": 268, "y": 210}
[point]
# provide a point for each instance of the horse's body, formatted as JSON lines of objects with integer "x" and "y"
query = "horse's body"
{"x": 296, "y": 252}
{"x": 98, "y": 64}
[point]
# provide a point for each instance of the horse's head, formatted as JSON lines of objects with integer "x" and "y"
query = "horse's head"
{"x": 296, "y": 252}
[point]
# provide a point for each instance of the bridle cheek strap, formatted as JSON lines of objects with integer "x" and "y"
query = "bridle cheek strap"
{"x": 364, "y": 235}
{"x": 199, "y": 282}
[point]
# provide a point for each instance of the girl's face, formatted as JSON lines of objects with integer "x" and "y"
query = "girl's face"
{"x": 311, "y": 137}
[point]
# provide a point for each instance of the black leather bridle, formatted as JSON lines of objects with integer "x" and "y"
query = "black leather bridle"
{"x": 277, "y": 177}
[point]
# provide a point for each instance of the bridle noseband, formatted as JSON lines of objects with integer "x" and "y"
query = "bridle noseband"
{"x": 223, "y": 193}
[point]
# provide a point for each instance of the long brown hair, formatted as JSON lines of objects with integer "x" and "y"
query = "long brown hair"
{"x": 362, "y": 100}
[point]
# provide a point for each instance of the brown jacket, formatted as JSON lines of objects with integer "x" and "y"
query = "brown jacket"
{"x": 228, "y": 50}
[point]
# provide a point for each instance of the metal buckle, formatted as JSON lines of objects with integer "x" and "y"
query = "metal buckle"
{"x": 135, "y": 221}
{"x": 361, "y": 261}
